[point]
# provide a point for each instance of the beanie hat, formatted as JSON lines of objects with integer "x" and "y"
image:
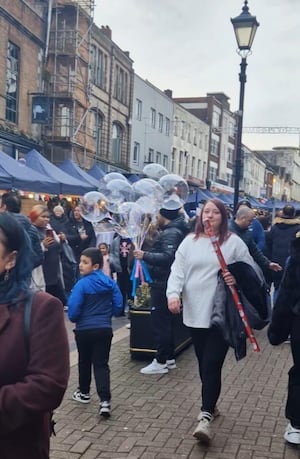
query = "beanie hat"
{"x": 59, "y": 209}
{"x": 288, "y": 211}
{"x": 36, "y": 211}
{"x": 169, "y": 214}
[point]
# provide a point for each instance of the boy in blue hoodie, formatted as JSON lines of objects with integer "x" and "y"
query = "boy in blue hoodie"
{"x": 94, "y": 300}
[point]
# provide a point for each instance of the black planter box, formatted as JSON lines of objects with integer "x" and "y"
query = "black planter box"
{"x": 141, "y": 336}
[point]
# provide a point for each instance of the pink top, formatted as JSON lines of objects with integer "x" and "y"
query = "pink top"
{"x": 106, "y": 265}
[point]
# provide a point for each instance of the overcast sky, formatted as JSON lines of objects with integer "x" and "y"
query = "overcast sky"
{"x": 189, "y": 46}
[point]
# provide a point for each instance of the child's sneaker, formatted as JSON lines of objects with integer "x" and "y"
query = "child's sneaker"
{"x": 104, "y": 409}
{"x": 171, "y": 364}
{"x": 79, "y": 397}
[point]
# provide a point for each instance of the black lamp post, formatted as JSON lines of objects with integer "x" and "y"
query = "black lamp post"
{"x": 245, "y": 27}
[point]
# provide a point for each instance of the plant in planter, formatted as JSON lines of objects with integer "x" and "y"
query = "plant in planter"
{"x": 142, "y": 343}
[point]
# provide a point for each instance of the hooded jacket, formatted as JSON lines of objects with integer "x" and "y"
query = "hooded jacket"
{"x": 278, "y": 242}
{"x": 94, "y": 300}
{"x": 288, "y": 301}
{"x": 161, "y": 256}
{"x": 78, "y": 244}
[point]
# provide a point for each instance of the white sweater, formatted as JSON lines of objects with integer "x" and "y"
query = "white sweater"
{"x": 194, "y": 273}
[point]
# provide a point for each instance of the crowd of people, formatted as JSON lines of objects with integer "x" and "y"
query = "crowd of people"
{"x": 50, "y": 260}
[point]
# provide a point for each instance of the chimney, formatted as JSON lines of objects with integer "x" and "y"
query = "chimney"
{"x": 169, "y": 93}
{"x": 106, "y": 30}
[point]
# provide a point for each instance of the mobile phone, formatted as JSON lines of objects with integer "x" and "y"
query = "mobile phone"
{"x": 49, "y": 233}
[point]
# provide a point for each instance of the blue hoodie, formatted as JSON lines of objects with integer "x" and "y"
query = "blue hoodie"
{"x": 94, "y": 300}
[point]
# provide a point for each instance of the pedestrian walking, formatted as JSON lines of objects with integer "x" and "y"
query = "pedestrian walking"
{"x": 194, "y": 274}
{"x": 34, "y": 358}
{"x": 286, "y": 322}
{"x": 91, "y": 305}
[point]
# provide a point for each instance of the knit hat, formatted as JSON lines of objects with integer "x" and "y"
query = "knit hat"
{"x": 58, "y": 209}
{"x": 169, "y": 214}
{"x": 288, "y": 211}
{"x": 36, "y": 211}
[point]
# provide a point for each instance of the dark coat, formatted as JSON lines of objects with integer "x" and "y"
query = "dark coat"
{"x": 247, "y": 237}
{"x": 254, "y": 297}
{"x": 51, "y": 263}
{"x": 63, "y": 225}
{"x": 78, "y": 245}
{"x": 37, "y": 252}
{"x": 31, "y": 386}
{"x": 162, "y": 253}
{"x": 278, "y": 242}
{"x": 287, "y": 305}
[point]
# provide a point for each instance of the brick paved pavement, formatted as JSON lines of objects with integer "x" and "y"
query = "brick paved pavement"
{"x": 154, "y": 416}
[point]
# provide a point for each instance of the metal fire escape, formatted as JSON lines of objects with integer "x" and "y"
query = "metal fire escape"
{"x": 68, "y": 78}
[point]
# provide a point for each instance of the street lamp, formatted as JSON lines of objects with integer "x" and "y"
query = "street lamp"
{"x": 245, "y": 27}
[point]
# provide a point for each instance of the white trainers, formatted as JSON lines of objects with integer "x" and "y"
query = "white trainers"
{"x": 202, "y": 431}
{"x": 80, "y": 397}
{"x": 104, "y": 409}
{"x": 171, "y": 364}
{"x": 155, "y": 368}
{"x": 292, "y": 435}
{"x": 214, "y": 416}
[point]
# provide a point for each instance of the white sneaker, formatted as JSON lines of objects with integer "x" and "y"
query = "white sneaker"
{"x": 104, "y": 409}
{"x": 171, "y": 364}
{"x": 128, "y": 326}
{"x": 155, "y": 368}
{"x": 292, "y": 435}
{"x": 202, "y": 431}
{"x": 214, "y": 416}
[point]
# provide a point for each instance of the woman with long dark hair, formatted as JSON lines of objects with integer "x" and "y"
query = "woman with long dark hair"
{"x": 34, "y": 358}
{"x": 194, "y": 273}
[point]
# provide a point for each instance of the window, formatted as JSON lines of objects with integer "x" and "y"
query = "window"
{"x": 153, "y": 118}
{"x": 214, "y": 147}
{"x": 180, "y": 166}
{"x": 198, "y": 168}
{"x": 230, "y": 155}
{"x": 97, "y": 132}
{"x": 138, "y": 109}
{"x": 98, "y": 67}
{"x": 168, "y": 127}
{"x": 158, "y": 157}
{"x": 12, "y": 82}
{"x": 195, "y": 136}
{"x": 173, "y": 160}
{"x": 121, "y": 84}
{"x": 117, "y": 134}
{"x": 165, "y": 161}
{"x": 193, "y": 166}
{"x": 175, "y": 125}
{"x": 160, "y": 122}
{"x": 136, "y": 152}
{"x": 150, "y": 155}
{"x": 64, "y": 121}
{"x": 182, "y": 130}
{"x": 189, "y": 133}
{"x": 212, "y": 173}
{"x": 215, "y": 119}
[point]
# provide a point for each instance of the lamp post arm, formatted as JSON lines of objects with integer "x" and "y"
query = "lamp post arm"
{"x": 238, "y": 158}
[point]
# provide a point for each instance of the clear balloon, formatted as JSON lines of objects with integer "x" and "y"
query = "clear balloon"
{"x": 155, "y": 171}
{"x": 172, "y": 202}
{"x": 117, "y": 191}
{"x": 149, "y": 205}
{"x": 114, "y": 176}
{"x": 174, "y": 185}
{"x": 148, "y": 187}
{"x": 93, "y": 206}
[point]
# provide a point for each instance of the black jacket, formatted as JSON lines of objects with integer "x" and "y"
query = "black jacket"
{"x": 37, "y": 252}
{"x": 278, "y": 242}
{"x": 288, "y": 301}
{"x": 255, "y": 252}
{"x": 255, "y": 300}
{"x": 161, "y": 256}
{"x": 77, "y": 244}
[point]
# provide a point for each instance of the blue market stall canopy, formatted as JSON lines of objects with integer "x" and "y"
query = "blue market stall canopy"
{"x": 197, "y": 196}
{"x": 75, "y": 171}
{"x": 67, "y": 183}
{"x": 226, "y": 198}
{"x": 96, "y": 172}
{"x": 15, "y": 174}
{"x": 277, "y": 204}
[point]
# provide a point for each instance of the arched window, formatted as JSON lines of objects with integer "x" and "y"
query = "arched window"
{"x": 117, "y": 134}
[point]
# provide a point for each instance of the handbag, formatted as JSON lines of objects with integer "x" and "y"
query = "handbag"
{"x": 37, "y": 279}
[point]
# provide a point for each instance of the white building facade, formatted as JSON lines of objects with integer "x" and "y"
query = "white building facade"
{"x": 189, "y": 156}
{"x": 253, "y": 180}
{"x": 151, "y": 134}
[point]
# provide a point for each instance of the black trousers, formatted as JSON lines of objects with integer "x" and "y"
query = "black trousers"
{"x": 211, "y": 349}
{"x": 162, "y": 324}
{"x": 93, "y": 350}
{"x": 292, "y": 410}
{"x": 125, "y": 286}
{"x": 57, "y": 290}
